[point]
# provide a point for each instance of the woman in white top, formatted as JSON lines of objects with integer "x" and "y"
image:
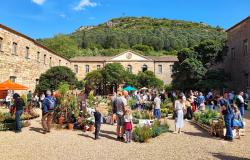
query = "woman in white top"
{"x": 179, "y": 107}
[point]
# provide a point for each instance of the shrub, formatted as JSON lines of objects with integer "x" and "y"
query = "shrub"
{"x": 205, "y": 117}
{"x": 142, "y": 134}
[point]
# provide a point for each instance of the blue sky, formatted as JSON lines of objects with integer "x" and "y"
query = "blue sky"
{"x": 45, "y": 18}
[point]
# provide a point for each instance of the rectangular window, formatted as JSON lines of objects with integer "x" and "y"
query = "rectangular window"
{"x": 76, "y": 68}
{"x": 232, "y": 53}
{"x": 59, "y": 63}
{"x": 171, "y": 69}
{"x": 38, "y": 56}
{"x": 14, "y": 48}
{"x": 98, "y": 66}
{"x": 50, "y": 61}
{"x": 27, "y": 54}
{"x": 44, "y": 59}
{"x": 1, "y": 43}
{"x": 160, "y": 69}
{"x": 87, "y": 68}
{"x": 245, "y": 47}
{"x": 13, "y": 78}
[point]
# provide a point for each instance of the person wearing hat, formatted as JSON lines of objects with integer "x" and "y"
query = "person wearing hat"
{"x": 18, "y": 105}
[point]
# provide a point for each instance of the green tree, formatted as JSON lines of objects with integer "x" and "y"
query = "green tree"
{"x": 113, "y": 74}
{"x": 53, "y": 77}
{"x": 94, "y": 78}
{"x": 208, "y": 51}
{"x": 149, "y": 80}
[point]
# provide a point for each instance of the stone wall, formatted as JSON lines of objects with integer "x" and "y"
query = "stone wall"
{"x": 82, "y": 68}
{"x": 165, "y": 76}
{"x": 236, "y": 63}
{"x": 26, "y": 69}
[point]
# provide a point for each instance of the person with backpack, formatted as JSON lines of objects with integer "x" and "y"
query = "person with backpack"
{"x": 48, "y": 106}
{"x": 227, "y": 112}
{"x": 18, "y": 107}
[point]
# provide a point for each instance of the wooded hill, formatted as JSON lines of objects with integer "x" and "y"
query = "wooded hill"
{"x": 151, "y": 36}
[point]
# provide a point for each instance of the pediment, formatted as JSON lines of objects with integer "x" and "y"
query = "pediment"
{"x": 130, "y": 56}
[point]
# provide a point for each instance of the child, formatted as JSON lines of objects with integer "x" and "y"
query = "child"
{"x": 128, "y": 125}
{"x": 237, "y": 120}
{"x": 98, "y": 121}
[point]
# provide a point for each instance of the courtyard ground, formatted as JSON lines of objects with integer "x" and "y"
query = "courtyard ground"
{"x": 194, "y": 143}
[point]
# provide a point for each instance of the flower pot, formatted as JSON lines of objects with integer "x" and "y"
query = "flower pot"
{"x": 91, "y": 128}
{"x": 84, "y": 128}
{"x": 61, "y": 120}
{"x": 70, "y": 126}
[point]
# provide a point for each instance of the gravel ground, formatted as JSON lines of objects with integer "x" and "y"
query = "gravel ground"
{"x": 194, "y": 143}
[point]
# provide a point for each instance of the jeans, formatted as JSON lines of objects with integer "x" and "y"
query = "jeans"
{"x": 97, "y": 130}
{"x": 242, "y": 109}
{"x": 157, "y": 113}
{"x": 128, "y": 134}
{"x": 18, "y": 120}
{"x": 228, "y": 123}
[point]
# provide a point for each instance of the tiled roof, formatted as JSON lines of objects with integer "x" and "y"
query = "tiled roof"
{"x": 90, "y": 59}
{"x": 169, "y": 58}
{"x": 105, "y": 58}
{"x": 244, "y": 20}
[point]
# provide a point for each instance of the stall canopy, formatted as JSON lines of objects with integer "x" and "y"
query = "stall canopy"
{"x": 9, "y": 85}
{"x": 129, "y": 88}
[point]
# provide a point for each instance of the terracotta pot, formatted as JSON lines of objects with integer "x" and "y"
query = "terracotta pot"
{"x": 61, "y": 120}
{"x": 84, "y": 128}
{"x": 91, "y": 128}
{"x": 70, "y": 126}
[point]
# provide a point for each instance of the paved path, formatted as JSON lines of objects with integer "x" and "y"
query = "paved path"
{"x": 193, "y": 144}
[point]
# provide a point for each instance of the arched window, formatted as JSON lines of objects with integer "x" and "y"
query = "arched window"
{"x": 144, "y": 68}
{"x": 129, "y": 68}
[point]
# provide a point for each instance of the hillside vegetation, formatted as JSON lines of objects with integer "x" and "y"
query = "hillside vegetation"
{"x": 149, "y": 35}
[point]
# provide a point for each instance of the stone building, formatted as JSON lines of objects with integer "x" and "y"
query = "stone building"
{"x": 23, "y": 60}
{"x": 237, "y": 61}
{"x": 131, "y": 61}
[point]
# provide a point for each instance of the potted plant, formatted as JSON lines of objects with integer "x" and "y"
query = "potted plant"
{"x": 73, "y": 110}
{"x": 91, "y": 125}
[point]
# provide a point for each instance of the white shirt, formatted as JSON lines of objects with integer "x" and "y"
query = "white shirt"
{"x": 127, "y": 118}
{"x": 124, "y": 100}
{"x": 8, "y": 98}
{"x": 157, "y": 101}
{"x": 241, "y": 98}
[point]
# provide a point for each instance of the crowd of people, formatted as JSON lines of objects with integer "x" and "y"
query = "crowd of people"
{"x": 230, "y": 105}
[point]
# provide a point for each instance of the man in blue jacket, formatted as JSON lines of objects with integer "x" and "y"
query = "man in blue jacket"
{"x": 48, "y": 105}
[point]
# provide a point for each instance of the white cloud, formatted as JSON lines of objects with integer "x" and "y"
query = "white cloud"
{"x": 62, "y": 15}
{"x": 83, "y": 4}
{"x": 39, "y": 2}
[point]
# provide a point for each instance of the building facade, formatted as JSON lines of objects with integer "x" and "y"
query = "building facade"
{"x": 23, "y": 60}
{"x": 130, "y": 60}
{"x": 237, "y": 61}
